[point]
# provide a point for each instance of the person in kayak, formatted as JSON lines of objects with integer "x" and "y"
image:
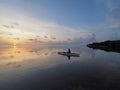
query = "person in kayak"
{"x": 69, "y": 51}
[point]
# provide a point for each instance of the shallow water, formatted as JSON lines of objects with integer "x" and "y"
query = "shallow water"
{"x": 41, "y": 68}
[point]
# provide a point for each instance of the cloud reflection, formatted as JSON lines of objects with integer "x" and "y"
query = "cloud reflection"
{"x": 13, "y": 55}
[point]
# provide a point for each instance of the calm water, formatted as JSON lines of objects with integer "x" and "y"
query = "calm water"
{"x": 42, "y": 68}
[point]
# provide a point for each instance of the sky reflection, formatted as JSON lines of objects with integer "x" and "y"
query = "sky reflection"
{"x": 25, "y": 56}
{"x": 44, "y": 67}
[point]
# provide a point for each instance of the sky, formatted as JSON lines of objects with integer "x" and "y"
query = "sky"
{"x": 58, "y": 21}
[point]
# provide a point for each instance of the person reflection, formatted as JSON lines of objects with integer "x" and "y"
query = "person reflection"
{"x": 68, "y": 57}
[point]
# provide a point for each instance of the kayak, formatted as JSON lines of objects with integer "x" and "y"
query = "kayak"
{"x": 69, "y": 54}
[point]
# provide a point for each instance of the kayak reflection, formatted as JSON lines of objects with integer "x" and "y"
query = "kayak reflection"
{"x": 69, "y": 54}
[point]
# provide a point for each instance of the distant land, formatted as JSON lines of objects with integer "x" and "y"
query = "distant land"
{"x": 109, "y": 46}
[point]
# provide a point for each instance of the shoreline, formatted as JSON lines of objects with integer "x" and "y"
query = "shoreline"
{"x": 113, "y": 46}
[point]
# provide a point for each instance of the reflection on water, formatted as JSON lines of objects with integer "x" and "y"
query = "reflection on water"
{"x": 41, "y": 68}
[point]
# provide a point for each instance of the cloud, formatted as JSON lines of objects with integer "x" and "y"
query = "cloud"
{"x": 113, "y": 20}
{"x": 15, "y": 23}
{"x": 115, "y": 13}
{"x": 4, "y": 42}
{"x": 2, "y": 32}
{"x": 69, "y": 39}
{"x": 115, "y": 36}
{"x": 16, "y": 38}
{"x": 45, "y": 36}
{"x": 53, "y": 38}
{"x": 111, "y": 25}
{"x": 6, "y": 26}
{"x": 23, "y": 25}
{"x": 91, "y": 37}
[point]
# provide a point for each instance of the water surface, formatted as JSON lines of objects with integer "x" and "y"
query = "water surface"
{"x": 41, "y": 68}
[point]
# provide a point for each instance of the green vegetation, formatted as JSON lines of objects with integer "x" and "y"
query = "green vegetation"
{"x": 109, "y": 45}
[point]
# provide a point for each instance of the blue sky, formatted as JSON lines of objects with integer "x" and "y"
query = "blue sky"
{"x": 63, "y": 19}
{"x": 68, "y": 12}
